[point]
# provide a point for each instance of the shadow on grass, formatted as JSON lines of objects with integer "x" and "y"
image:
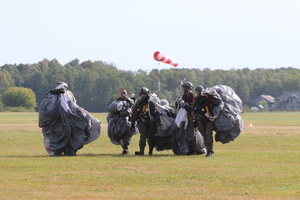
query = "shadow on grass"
{"x": 120, "y": 155}
{"x": 89, "y": 155}
{"x": 24, "y": 156}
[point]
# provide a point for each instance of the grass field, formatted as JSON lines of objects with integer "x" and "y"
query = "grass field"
{"x": 262, "y": 163}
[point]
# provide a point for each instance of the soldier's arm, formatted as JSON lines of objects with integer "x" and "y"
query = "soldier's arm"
{"x": 154, "y": 113}
{"x": 152, "y": 109}
{"x": 187, "y": 107}
{"x": 215, "y": 99}
{"x": 193, "y": 108}
{"x": 134, "y": 115}
{"x": 215, "y": 102}
{"x": 129, "y": 101}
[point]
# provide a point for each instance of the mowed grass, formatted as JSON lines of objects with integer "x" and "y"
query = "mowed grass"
{"x": 262, "y": 163}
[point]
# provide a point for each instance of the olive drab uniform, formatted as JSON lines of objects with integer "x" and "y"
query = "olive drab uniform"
{"x": 147, "y": 118}
{"x": 202, "y": 111}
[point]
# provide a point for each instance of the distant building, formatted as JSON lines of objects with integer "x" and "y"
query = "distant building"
{"x": 267, "y": 98}
{"x": 288, "y": 101}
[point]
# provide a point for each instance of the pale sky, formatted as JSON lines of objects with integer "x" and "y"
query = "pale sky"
{"x": 215, "y": 34}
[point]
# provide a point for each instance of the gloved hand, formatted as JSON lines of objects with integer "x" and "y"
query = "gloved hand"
{"x": 211, "y": 118}
{"x": 158, "y": 123}
{"x": 186, "y": 106}
{"x": 181, "y": 103}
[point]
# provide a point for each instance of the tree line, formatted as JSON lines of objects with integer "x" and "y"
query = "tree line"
{"x": 96, "y": 84}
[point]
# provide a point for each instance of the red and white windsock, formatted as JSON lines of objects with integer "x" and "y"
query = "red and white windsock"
{"x": 162, "y": 57}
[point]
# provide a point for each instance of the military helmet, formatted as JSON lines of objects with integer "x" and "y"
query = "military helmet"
{"x": 199, "y": 89}
{"x": 188, "y": 85}
{"x": 144, "y": 90}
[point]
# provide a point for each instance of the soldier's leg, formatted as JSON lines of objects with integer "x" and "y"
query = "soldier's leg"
{"x": 151, "y": 134}
{"x": 125, "y": 148}
{"x": 143, "y": 129}
{"x": 209, "y": 138}
{"x": 193, "y": 146}
{"x": 125, "y": 142}
{"x": 191, "y": 137}
{"x": 69, "y": 151}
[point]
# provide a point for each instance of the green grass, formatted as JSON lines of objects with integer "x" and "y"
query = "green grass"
{"x": 273, "y": 118}
{"x": 262, "y": 163}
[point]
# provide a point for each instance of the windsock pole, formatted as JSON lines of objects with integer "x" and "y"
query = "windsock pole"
{"x": 158, "y": 80}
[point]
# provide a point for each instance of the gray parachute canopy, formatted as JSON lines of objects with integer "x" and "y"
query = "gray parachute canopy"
{"x": 119, "y": 126}
{"x": 184, "y": 133}
{"x": 66, "y": 126}
{"x": 163, "y": 137}
{"x": 228, "y": 122}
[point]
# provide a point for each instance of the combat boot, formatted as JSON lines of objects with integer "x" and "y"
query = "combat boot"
{"x": 150, "y": 152}
{"x": 201, "y": 152}
{"x": 125, "y": 151}
{"x": 141, "y": 152}
{"x": 69, "y": 151}
{"x": 57, "y": 153}
{"x": 209, "y": 154}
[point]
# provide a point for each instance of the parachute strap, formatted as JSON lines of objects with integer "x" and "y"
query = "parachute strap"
{"x": 144, "y": 107}
{"x": 207, "y": 110}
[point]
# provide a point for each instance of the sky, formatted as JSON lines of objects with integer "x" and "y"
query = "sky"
{"x": 215, "y": 34}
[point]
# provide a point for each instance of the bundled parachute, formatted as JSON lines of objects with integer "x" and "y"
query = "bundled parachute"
{"x": 119, "y": 125}
{"x": 66, "y": 126}
{"x": 163, "y": 136}
{"x": 228, "y": 122}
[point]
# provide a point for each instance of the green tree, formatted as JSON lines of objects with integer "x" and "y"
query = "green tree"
{"x": 19, "y": 97}
{"x": 95, "y": 82}
{"x": 6, "y": 81}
